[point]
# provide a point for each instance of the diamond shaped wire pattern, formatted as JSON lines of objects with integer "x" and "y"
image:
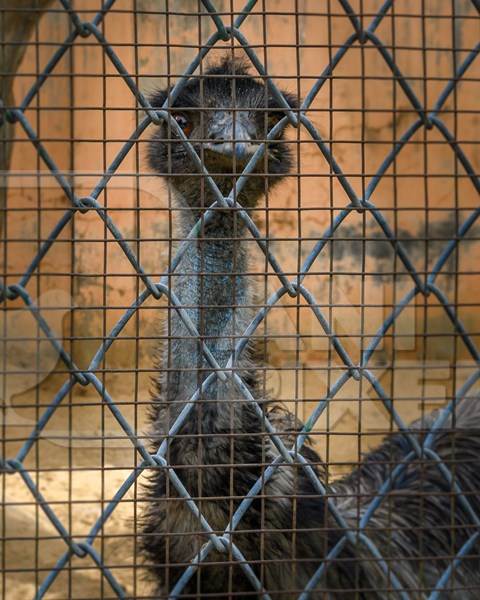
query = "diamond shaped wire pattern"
{"x": 292, "y": 287}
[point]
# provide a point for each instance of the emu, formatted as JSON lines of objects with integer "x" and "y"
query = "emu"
{"x": 220, "y": 451}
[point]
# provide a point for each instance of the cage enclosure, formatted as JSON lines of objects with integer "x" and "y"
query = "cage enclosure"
{"x": 239, "y": 251}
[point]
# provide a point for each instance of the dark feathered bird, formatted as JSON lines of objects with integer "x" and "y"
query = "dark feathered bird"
{"x": 219, "y": 452}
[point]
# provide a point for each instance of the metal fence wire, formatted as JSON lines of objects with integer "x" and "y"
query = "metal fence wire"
{"x": 424, "y": 283}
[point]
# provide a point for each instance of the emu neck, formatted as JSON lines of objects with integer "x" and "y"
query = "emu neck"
{"x": 211, "y": 283}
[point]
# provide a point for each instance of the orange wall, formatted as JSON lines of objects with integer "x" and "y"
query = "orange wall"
{"x": 78, "y": 108}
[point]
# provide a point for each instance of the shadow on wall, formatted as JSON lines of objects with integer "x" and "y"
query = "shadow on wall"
{"x": 423, "y": 246}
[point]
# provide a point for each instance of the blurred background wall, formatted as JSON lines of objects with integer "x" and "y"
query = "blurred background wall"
{"x": 84, "y": 113}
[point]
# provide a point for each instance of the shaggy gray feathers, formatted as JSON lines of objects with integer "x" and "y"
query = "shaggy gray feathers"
{"x": 219, "y": 452}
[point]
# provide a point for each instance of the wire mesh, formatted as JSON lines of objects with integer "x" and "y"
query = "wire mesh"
{"x": 423, "y": 282}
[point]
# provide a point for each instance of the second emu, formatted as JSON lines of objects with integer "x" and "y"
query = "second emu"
{"x": 219, "y": 452}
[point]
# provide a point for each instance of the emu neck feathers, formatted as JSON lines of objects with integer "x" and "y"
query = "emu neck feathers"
{"x": 210, "y": 282}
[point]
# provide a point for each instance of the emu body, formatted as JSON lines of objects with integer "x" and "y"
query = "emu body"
{"x": 219, "y": 452}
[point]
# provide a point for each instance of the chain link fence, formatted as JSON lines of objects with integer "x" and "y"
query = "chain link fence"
{"x": 363, "y": 33}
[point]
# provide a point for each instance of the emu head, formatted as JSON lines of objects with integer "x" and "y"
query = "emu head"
{"x": 226, "y": 114}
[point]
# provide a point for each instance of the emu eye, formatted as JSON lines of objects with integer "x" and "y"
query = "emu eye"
{"x": 184, "y": 124}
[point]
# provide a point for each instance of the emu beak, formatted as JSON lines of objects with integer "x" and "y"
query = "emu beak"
{"x": 228, "y": 139}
